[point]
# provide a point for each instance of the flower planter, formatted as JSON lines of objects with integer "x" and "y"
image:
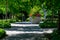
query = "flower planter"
{"x": 36, "y": 20}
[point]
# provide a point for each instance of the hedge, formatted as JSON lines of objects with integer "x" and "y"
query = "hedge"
{"x": 48, "y": 24}
{"x": 6, "y": 23}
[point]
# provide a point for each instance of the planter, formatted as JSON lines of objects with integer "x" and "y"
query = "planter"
{"x": 36, "y": 20}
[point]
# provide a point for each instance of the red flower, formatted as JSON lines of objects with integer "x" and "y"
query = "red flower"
{"x": 38, "y": 15}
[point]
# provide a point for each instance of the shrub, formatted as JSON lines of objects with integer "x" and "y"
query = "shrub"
{"x": 55, "y": 35}
{"x": 6, "y": 23}
{"x": 48, "y": 24}
{"x": 2, "y": 33}
{"x": 12, "y": 20}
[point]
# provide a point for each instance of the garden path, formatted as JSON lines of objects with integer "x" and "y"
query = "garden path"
{"x": 26, "y": 33}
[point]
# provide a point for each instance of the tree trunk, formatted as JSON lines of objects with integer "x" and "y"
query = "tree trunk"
{"x": 52, "y": 17}
{"x": 12, "y": 16}
{"x": 6, "y": 9}
{"x": 59, "y": 21}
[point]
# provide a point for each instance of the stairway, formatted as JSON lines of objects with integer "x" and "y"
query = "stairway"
{"x": 24, "y": 33}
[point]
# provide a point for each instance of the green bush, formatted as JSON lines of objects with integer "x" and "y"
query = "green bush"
{"x": 6, "y": 23}
{"x": 48, "y": 24}
{"x": 2, "y": 33}
{"x": 12, "y": 20}
{"x": 55, "y": 35}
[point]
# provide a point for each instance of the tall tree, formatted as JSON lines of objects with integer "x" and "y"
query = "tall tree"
{"x": 53, "y": 5}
